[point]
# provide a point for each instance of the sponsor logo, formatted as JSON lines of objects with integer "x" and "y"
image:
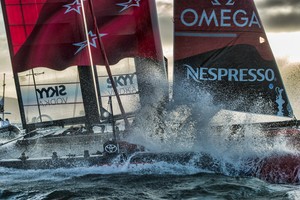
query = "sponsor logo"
{"x": 230, "y": 74}
{"x": 122, "y": 80}
{"x": 52, "y": 91}
{"x": 126, "y": 84}
{"x": 219, "y": 17}
{"x": 52, "y": 95}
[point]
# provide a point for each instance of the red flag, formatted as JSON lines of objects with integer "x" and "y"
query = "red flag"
{"x": 51, "y": 33}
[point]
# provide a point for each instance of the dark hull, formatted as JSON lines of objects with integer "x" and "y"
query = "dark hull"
{"x": 60, "y": 140}
{"x": 62, "y": 162}
{"x": 9, "y": 129}
{"x": 184, "y": 158}
{"x": 274, "y": 169}
{"x": 283, "y": 168}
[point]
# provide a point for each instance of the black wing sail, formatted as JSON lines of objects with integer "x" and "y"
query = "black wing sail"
{"x": 221, "y": 48}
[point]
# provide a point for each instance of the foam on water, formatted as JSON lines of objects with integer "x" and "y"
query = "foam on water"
{"x": 183, "y": 127}
{"x": 16, "y": 176}
{"x": 156, "y": 181}
{"x": 186, "y": 127}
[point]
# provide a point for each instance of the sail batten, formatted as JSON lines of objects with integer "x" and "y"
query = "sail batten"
{"x": 212, "y": 35}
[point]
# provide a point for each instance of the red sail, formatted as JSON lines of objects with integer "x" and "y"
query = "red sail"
{"x": 220, "y": 48}
{"x": 50, "y": 33}
{"x": 221, "y": 24}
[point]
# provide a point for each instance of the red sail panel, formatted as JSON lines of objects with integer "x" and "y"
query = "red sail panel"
{"x": 50, "y": 33}
{"x": 221, "y": 48}
{"x": 221, "y": 26}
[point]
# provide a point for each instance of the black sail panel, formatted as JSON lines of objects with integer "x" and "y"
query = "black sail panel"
{"x": 221, "y": 48}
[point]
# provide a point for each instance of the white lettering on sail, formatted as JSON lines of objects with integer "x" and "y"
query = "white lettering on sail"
{"x": 228, "y": 18}
{"x": 230, "y": 74}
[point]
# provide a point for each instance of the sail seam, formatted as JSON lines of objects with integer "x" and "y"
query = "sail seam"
{"x": 190, "y": 34}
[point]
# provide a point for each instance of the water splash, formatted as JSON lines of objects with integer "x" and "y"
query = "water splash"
{"x": 186, "y": 127}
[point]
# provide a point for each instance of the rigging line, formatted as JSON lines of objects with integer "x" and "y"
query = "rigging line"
{"x": 90, "y": 54}
{"x": 100, "y": 43}
{"x": 98, "y": 87}
{"x": 3, "y": 109}
{"x": 76, "y": 95}
{"x": 36, "y": 96}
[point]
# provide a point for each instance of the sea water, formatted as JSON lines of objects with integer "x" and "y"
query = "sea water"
{"x": 161, "y": 180}
{"x": 179, "y": 128}
{"x": 158, "y": 181}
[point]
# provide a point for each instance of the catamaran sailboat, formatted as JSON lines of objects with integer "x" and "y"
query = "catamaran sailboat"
{"x": 102, "y": 53}
{"x": 7, "y": 130}
{"x": 220, "y": 47}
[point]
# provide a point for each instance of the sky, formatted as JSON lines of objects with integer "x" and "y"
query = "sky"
{"x": 280, "y": 19}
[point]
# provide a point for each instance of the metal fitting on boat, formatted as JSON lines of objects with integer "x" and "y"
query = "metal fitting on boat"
{"x": 23, "y": 157}
{"x": 86, "y": 154}
{"x": 54, "y": 155}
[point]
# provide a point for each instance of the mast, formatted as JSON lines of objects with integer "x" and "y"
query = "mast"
{"x": 100, "y": 43}
{"x": 21, "y": 104}
{"x": 3, "y": 95}
{"x": 147, "y": 86}
{"x": 97, "y": 88}
{"x": 112, "y": 118}
{"x": 89, "y": 85}
{"x": 88, "y": 96}
{"x": 36, "y": 96}
{"x": 15, "y": 74}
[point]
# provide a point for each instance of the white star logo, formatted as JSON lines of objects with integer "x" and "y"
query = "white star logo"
{"x": 92, "y": 39}
{"x": 75, "y": 6}
{"x": 129, "y": 4}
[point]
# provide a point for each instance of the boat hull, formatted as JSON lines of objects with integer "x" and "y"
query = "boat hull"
{"x": 274, "y": 169}
{"x": 50, "y": 163}
{"x": 279, "y": 169}
{"x": 283, "y": 168}
{"x": 10, "y": 129}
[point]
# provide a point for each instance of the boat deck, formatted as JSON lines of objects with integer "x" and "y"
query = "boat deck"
{"x": 64, "y": 145}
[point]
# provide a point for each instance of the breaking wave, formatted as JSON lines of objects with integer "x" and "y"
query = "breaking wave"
{"x": 191, "y": 127}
